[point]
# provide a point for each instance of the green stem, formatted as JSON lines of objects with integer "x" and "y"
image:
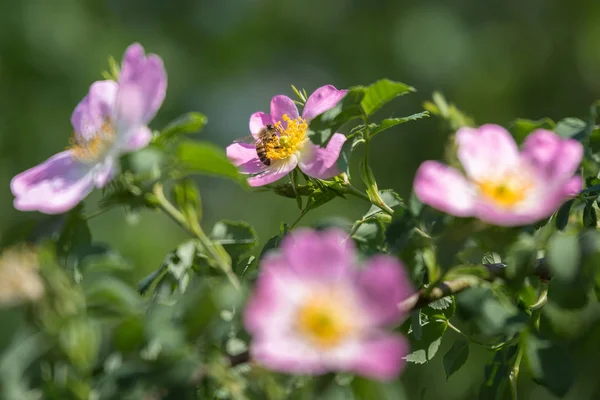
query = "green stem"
{"x": 542, "y": 298}
{"x": 514, "y": 374}
{"x": 302, "y": 214}
{"x": 96, "y": 213}
{"x": 194, "y": 228}
{"x": 494, "y": 347}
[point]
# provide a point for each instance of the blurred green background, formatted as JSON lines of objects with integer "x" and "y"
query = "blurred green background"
{"x": 496, "y": 60}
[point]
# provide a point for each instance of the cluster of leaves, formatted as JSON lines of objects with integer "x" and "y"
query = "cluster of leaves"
{"x": 528, "y": 295}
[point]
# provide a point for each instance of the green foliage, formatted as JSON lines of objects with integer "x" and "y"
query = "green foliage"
{"x": 188, "y": 123}
{"x": 205, "y": 158}
{"x": 456, "y": 357}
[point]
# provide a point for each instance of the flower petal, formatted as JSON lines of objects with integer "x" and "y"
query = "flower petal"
{"x": 259, "y": 120}
{"x": 283, "y": 105}
{"x": 381, "y": 357}
{"x": 486, "y": 152}
{"x": 444, "y": 188}
{"x": 243, "y": 156}
{"x": 555, "y": 158}
{"x": 139, "y": 139}
{"x": 320, "y": 162}
{"x": 277, "y": 293}
{"x": 573, "y": 186}
{"x": 53, "y": 187}
{"x": 94, "y": 109}
{"x": 277, "y": 170}
{"x": 321, "y": 100}
{"x": 148, "y": 73}
{"x": 105, "y": 172}
{"x": 287, "y": 354}
{"x": 321, "y": 255}
{"x": 384, "y": 284}
{"x": 543, "y": 201}
{"x": 129, "y": 114}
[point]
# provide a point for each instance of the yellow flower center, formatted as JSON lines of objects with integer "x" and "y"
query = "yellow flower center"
{"x": 91, "y": 149}
{"x": 290, "y": 138}
{"x": 506, "y": 192}
{"x": 323, "y": 321}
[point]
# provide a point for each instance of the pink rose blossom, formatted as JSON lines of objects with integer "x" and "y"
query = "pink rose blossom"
{"x": 111, "y": 120}
{"x": 294, "y": 146}
{"x": 314, "y": 311}
{"x": 500, "y": 185}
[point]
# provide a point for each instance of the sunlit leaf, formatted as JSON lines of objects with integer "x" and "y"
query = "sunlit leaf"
{"x": 382, "y": 92}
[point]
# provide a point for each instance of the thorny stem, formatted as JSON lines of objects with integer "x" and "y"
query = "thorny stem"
{"x": 194, "y": 228}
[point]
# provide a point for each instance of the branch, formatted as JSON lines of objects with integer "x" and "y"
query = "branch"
{"x": 426, "y": 296}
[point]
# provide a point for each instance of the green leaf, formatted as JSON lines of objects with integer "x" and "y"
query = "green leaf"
{"x": 456, "y": 357}
{"x": 391, "y": 122}
{"x": 570, "y": 127}
{"x": 590, "y": 220}
{"x": 185, "y": 124}
{"x": 424, "y": 349}
{"x": 370, "y": 236}
{"x": 442, "y": 304}
{"x": 562, "y": 216}
{"x": 428, "y": 328}
{"x": 238, "y": 238}
{"x": 550, "y": 364}
{"x": 382, "y": 92}
{"x": 206, "y": 158}
{"x": 108, "y": 296}
{"x": 323, "y": 126}
{"x": 520, "y": 128}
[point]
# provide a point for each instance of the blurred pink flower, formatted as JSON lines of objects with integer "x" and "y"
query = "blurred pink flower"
{"x": 293, "y": 147}
{"x": 111, "y": 120}
{"x": 314, "y": 311}
{"x": 502, "y": 186}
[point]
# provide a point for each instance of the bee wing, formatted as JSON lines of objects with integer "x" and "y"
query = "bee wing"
{"x": 246, "y": 139}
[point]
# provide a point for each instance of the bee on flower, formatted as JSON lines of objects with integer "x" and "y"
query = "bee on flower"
{"x": 280, "y": 141}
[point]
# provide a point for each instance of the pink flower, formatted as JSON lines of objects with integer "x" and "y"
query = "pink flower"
{"x": 502, "y": 186}
{"x": 314, "y": 311}
{"x": 293, "y": 147}
{"x": 111, "y": 120}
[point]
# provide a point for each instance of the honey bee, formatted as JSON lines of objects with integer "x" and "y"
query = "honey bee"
{"x": 265, "y": 136}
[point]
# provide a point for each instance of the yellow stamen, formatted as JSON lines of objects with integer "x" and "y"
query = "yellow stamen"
{"x": 290, "y": 138}
{"x": 322, "y": 321}
{"x": 91, "y": 149}
{"x": 506, "y": 192}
